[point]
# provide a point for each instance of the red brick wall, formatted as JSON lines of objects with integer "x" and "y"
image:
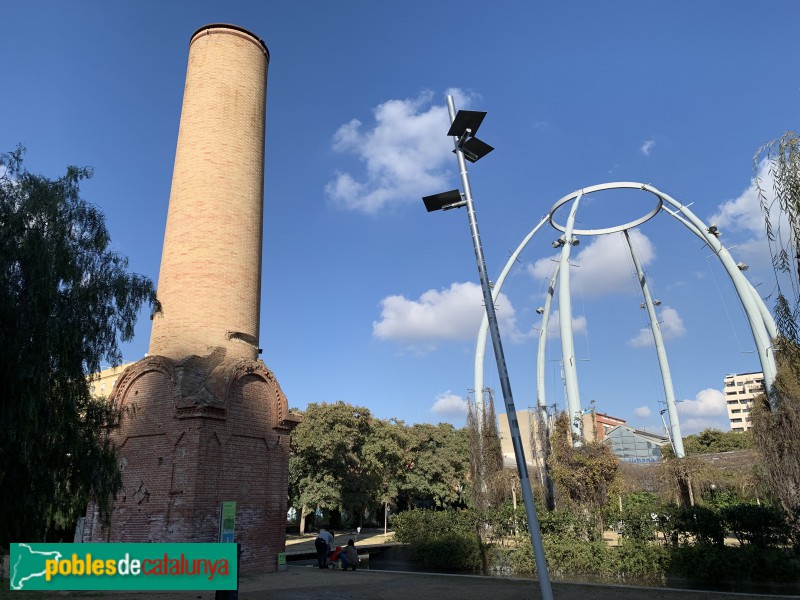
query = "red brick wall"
{"x": 185, "y": 450}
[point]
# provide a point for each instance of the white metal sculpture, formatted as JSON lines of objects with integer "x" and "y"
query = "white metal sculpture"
{"x": 762, "y": 324}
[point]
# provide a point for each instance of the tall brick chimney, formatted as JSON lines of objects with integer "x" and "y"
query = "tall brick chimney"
{"x": 210, "y": 280}
{"x": 211, "y": 423}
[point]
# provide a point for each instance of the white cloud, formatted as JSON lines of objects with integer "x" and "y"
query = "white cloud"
{"x": 742, "y": 215}
{"x": 708, "y": 409}
{"x": 604, "y": 266}
{"x": 450, "y": 406}
{"x": 647, "y": 147}
{"x": 744, "y": 212}
{"x": 405, "y": 153}
{"x": 671, "y": 327}
{"x": 642, "y": 411}
{"x": 453, "y": 313}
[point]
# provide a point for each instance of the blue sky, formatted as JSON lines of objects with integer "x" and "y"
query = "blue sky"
{"x": 367, "y": 298}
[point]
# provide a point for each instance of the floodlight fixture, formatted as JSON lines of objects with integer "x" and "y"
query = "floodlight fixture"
{"x": 540, "y": 310}
{"x": 742, "y": 266}
{"x": 464, "y": 127}
{"x": 558, "y": 243}
{"x": 444, "y": 201}
{"x": 575, "y": 241}
{"x": 657, "y": 302}
{"x": 712, "y": 229}
{"x": 466, "y": 123}
{"x": 474, "y": 149}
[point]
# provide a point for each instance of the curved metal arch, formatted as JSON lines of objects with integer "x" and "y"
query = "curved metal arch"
{"x": 576, "y": 195}
{"x": 480, "y": 346}
{"x": 769, "y": 320}
{"x": 743, "y": 288}
{"x": 762, "y": 324}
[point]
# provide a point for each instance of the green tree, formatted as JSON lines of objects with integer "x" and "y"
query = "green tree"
{"x": 776, "y": 419}
{"x": 66, "y": 301}
{"x": 328, "y": 468}
{"x": 713, "y": 440}
{"x": 438, "y": 466}
{"x": 781, "y": 210}
{"x": 489, "y": 483}
{"x": 386, "y": 453}
{"x": 585, "y": 474}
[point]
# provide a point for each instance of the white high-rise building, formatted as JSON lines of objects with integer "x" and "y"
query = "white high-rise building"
{"x": 740, "y": 390}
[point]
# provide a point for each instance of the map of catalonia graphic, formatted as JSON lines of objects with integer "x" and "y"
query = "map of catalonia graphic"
{"x": 30, "y": 564}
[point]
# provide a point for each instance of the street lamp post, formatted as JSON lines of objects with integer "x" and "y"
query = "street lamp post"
{"x": 464, "y": 125}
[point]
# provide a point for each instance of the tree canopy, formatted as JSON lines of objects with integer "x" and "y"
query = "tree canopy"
{"x": 714, "y": 440}
{"x": 66, "y": 302}
{"x": 776, "y": 418}
{"x": 346, "y": 460}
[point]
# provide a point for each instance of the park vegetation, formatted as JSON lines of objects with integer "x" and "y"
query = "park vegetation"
{"x": 347, "y": 466}
{"x": 66, "y": 302}
{"x": 776, "y": 417}
{"x": 612, "y": 520}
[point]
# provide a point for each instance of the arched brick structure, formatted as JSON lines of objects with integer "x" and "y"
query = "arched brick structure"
{"x": 205, "y": 421}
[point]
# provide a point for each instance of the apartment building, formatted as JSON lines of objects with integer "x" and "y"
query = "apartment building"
{"x": 103, "y": 382}
{"x": 596, "y": 426}
{"x": 740, "y": 390}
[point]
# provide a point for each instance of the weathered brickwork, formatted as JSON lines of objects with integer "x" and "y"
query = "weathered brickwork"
{"x": 208, "y": 421}
{"x": 210, "y": 280}
{"x": 186, "y": 449}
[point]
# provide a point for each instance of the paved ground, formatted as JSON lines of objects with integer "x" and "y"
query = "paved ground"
{"x": 310, "y": 583}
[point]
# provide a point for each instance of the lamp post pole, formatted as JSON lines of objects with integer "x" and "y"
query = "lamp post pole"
{"x": 505, "y": 385}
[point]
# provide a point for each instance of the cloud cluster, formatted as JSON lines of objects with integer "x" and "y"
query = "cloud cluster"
{"x": 708, "y": 409}
{"x": 604, "y": 266}
{"x": 450, "y": 406}
{"x": 453, "y": 313}
{"x": 647, "y": 147}
{"x": 742, "y": 220}
{"x": 671, "y": 327}
{"x": 404, "y": 153}
{"x": 642, "y": 411}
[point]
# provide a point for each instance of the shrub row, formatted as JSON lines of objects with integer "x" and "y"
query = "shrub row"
{"x": 448, "y": 540}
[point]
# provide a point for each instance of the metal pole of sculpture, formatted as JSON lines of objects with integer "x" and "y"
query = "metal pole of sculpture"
{"x": 522, "y": 468}
{"x": 541, "y": 400}
{"x": 565, "y": 325}
{"x": 480, "y": 345}
{"x": 743, "y": 288}
{"x": 663, "y": 363}
{"x": 544, "y": 428}
{"x": 766, "y": 316}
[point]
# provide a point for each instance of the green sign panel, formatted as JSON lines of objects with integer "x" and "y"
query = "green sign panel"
{"x": 123, "y": 566}
{"x": 227, "y": 522}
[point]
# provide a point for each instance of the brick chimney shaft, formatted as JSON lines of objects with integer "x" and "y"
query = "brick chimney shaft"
{"x": 209, "y": 285}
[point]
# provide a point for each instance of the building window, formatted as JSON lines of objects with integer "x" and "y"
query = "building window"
{"x": 736, "y": 420}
